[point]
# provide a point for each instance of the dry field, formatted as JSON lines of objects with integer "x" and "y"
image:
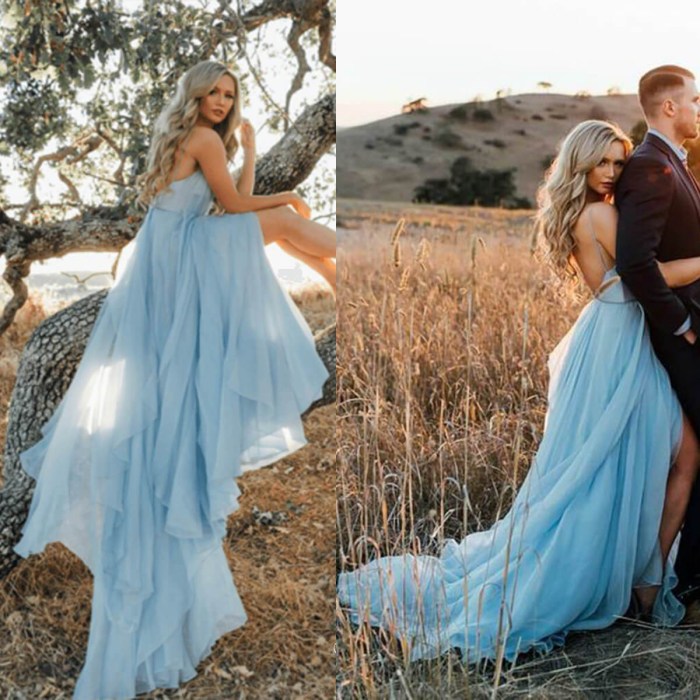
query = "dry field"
{"x": 443, "y": 345}
{"x": 283, "y": 572}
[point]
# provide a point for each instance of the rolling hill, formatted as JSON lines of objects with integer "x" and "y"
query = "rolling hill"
{"x": 387, "y": 159}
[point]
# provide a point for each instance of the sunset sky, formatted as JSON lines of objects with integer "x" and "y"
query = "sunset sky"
{"x": 451, "y": 50}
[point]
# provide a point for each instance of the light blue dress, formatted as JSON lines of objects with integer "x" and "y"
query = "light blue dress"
{"x": 197, "y": 369}
{"x": 583, "y": 528}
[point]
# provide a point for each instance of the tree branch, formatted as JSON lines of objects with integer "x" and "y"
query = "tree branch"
{"x": 73, "y": 153}
{"x": 325, "y": 51}
{"x": 295, "y": 33}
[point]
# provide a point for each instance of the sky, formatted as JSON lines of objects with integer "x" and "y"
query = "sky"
{"x": 452, "y": 50}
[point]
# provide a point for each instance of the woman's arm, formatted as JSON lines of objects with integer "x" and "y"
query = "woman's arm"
{"x": 678, "y": 273}
{"x": 207, "y": 148}
{"x": 246, "y": 180}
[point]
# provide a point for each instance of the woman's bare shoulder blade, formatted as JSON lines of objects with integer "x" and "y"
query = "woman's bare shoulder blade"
{"x": 204, "y": 139}
{"x": 604, "y": 217}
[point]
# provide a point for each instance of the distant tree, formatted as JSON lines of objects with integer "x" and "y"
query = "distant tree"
{"x": 483, "y": 115}
{"x": 693, "y": 148}
{"x": 467, "y": 185}
{"x": 544, "y": 85}
{"x": 598, "y": 112}
{"x": 547, "y": 161}
{"x": 638, "y": 132}
{"x": 415, "y": 106}
{"x": 614, "y": 90}
{"x": 460, "y": 113}
{"x": 500, "y": 94}
{"x": 582, "y": 95}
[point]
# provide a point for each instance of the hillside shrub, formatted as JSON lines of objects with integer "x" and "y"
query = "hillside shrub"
{"x": 638, "y": 132}
{"x": 467, "y": 185}
{"x": 459, "y": 113}
{"x": 448, "y": 139}
{"x": 483, "y": 115}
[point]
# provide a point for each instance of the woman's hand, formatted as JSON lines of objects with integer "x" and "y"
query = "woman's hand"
{"x": 247, "y": 138}
{"x": 299, "y": 205}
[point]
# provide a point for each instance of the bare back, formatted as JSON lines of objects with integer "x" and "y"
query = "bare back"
{"x": 185, "y": 163}
{"x": 595, "y": 233}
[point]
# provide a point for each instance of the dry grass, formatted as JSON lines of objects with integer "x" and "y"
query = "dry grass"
{"x": 283, "y": 573}
{"x": 445, "y": 327}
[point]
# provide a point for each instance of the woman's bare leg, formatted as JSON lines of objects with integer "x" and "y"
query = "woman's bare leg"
{"x": 308, "y": 236}
{"x": 680, "y": 483}
{"x": 324, "y": 266}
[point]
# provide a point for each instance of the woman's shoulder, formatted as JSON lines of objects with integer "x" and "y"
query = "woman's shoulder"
{"x": 602, "y": 215}
{"x": 203, "y": 135}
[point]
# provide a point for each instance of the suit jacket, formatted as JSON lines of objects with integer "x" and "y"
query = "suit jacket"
{"x": 658, "y": 203}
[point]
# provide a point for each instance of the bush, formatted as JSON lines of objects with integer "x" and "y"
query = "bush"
{"x": 459, "y": 113}
{"x": 467, "y": 185}
{"x": 638, "y": 132}
{"x": 403, "y": 129}
{"x": 520, "y": 132}
{"x": 557, "y": 116}
{"x": 369, "y": 146}
{"x": 448, "y": 139}
{"x": 496, "y": 143}
{"x": 597, "y": 112}
{"x": 518, "y": 203}
{"x": 483, "y": 115}
{"x": 537, "y": 118}
{"x": 547, "y": 161}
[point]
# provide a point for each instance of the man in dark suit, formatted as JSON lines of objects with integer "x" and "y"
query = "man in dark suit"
{"x": 658, "y": 201}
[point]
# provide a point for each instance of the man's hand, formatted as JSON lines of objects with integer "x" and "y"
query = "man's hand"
{"x": 690, "y": 336}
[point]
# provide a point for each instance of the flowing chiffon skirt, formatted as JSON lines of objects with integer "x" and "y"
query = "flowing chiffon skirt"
{"x": 583, "y": 528}
{"x": 197, "y": 369}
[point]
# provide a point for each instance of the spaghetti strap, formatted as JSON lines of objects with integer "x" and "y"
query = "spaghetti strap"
{"x": 597, "y": 244}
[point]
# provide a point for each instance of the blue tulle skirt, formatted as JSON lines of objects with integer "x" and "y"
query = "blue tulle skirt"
{"x": 583, "y": 529}
{"x": 197, "y": 369}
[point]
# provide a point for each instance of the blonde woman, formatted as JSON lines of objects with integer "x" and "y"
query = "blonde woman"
{"x": 587, "y": 532}
{"x": 197, "y": 369}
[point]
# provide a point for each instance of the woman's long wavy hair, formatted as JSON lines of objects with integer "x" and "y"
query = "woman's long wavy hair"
{"x": 177, "y": 120}
{"x": 562, "y": 196}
